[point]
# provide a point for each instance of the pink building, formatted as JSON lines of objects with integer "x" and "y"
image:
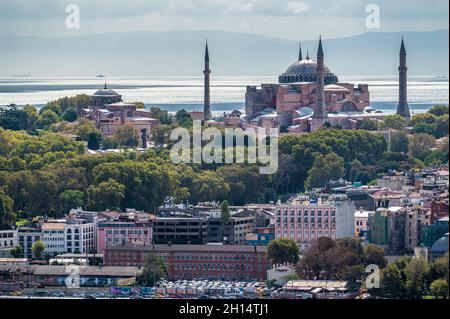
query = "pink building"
{"x": 130, "y": 228}
{"x": 304, "y": 221}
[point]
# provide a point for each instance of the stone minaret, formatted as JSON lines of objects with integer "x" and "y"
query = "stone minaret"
{"x": 320, "y": 113}
{"x": 207, "y": 97}
{"x": 403, "y": 108}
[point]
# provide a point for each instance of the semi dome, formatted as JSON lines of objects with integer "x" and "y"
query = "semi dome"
{"x": 306, "y": 71}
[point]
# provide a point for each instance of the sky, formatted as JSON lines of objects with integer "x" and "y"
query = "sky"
{"x": 287, "y": 19}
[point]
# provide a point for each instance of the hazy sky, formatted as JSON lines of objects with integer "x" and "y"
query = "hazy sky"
{"x": 289, "y": 19}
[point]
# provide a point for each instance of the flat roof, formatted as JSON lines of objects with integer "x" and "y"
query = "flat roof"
{"x": 193, "y": 248}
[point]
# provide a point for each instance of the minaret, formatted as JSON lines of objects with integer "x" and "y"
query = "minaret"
{"x": 402, "y": 107}
{"x": 300, "y": 56}
{"x": 320, "y": 113}
{"x": 207, "y": 97}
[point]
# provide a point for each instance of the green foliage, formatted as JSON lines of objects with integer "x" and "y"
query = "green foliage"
{"x": 434, "y": 122}
{"x": 16, "y": 252}
{"x": 399, "y": 142}
{"x": 367, "y": 125}
{"x": 107, "y": 195}
{"x": 439, "y": 288}
{"x": 94, "y": 139}
{"x": 341, "y": 259}
{"x": 396, "y": 122}
{"x": 70, "y": 115}
{"x": 281, "y": 251}
{"x": 38, "y": 249}
{"x": 71, "y": 199}
{"x": 153, "y": 271}
{"x": 7, "y": 216}
{"x": 325, "y": 168}
{"x": 421, "y": 143}
{"x": 183, "y": 118}
{"x": 126, "y": 135}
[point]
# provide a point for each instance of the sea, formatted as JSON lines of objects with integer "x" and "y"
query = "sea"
{"x": 227, "y": 92}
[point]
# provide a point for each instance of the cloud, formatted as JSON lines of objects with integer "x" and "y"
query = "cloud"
{"x": 298, "y": 7}
{"x": 278, "y": 18}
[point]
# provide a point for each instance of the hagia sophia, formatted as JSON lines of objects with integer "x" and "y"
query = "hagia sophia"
{"x": 309, "y": 95}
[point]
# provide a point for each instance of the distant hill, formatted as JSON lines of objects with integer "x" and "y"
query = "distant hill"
{"x": 150, "y": 53}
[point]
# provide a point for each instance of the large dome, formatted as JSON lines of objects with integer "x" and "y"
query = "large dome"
{"x": 306, "y": 71}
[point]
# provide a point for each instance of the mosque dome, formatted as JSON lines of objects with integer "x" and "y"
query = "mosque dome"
{"x": 306, "y": 71}
{"x": 440, "y": 246}
{"x": 106, "y": 92}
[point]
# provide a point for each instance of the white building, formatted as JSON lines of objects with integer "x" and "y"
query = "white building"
{"x": 8, "y": 241}
{"x": 303, "y": 220}
{"x": 80, "y": 236}
{"x": 53, "y": 237}
{"x": 28, "y": 235}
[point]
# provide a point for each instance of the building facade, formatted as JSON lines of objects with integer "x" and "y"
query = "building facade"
{"x": 221, "y": 262}
{"x": 180, "y": 230}
{"x": 8, "y": 241}
{"x": 305, "y": 221}
{"x": 128, "y": 228}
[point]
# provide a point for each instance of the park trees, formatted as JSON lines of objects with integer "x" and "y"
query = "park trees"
{"x": 282, "y": 251}
{"x": 325, "y": 168}
{"x": 154, "y": 270}
{"x": 107, "y": 195}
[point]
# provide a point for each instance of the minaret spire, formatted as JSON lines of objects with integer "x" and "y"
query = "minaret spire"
{"x": 320, "y": 112}
{"x": 403, "y": 107}
{"x": 300, "y": 56}
{"x": 207, "y": 98}
{"x": 307, "y": 55}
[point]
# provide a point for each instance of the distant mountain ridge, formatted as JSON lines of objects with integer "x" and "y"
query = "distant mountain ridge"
{"x": 180, "y": 53}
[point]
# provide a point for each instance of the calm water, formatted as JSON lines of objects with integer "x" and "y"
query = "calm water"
{"x": 227, "y": 93}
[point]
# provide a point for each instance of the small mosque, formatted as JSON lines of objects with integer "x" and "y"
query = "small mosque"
{"x": 308, "y": 96}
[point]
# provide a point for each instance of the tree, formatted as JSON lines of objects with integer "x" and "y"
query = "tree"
{"x": 375, "y": 255}
{"x": 396, "y": 122}
{"x": 367, "y": 124}
{"x": 71, "y": 199}
{"x": 153, "y": 271}
{"x": 399, "y": 142}
{"x": 438, "y": 269}
{"x": 391, "y": 280}
{"x": 183, "y": 118}
{"x": 7, "y": 216}
{"x": 70, "y": 115}
{"x": 16, "y": 252}
{"x": 37, "y": 249}
{"x": 281, "y": 251}
{"x": 439, "y": 288}
{"x": 224, "y": 216}
{"x": 415, "y": 276}
{"x": 420, "y": 143}
{"x": 47, "y": 118}
{"x": 325, "y": 168}
{"x": 439, "y": 110}
{"x": 94, "y": 139}
{"x": 107, "y": 195}
{"x": 126, "y": 135}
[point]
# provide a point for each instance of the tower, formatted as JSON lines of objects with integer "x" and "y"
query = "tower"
{"x": 320, "y": 113}
{"x": 402, "y": 107}
{"x": 207, "y": 97}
